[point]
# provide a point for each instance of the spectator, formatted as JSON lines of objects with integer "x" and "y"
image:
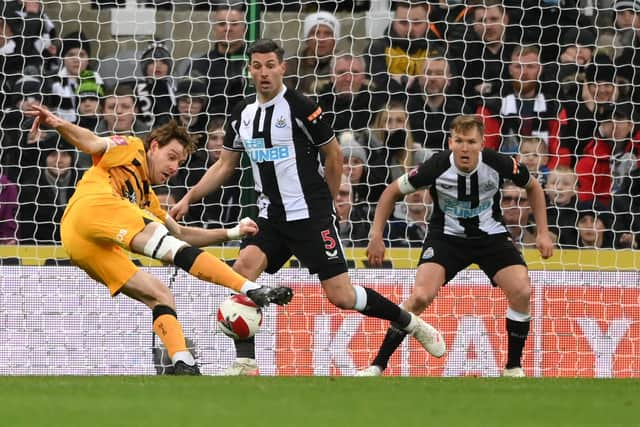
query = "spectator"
{"x": 354, "y": 166}
{"x": 119, "y": 113}
{"x": 594, "y": 229}
{"x": 38, "y": 33}
{"x": 221, "y": 208}
{"x": 191, "y": 109}
{"x": 165, "y": 196}
{"x": 311, "y": 67}
{"x": 415, "y": 210}
{"x": 353, "y": 224}
{"x": 8, "y": 209}
{"x": 534, "y": 155}
{"x": 89, "y": 94}
{"x": 526, "y": 111}
{"x": 595, "y": 95}
{"x": 11, "y": 58}
{"x": 594, "y": 168}
{"x": 392, "y": 151}
{"x": 223, "y": 67}
{"x": 567, "y": 76}
{"x": 400, "y": 53}
{"x": 155, "y": 92}
{"x": 562, "y": 198}
{"x": 431, "y": 106}
{"x": 486, "y": 51}
{"x": 626, "y": 24}
{"x": 349, "y": 99}
{"x": 20, "y": 153}
{"x": 516, "y": 213}
{"x": 43, "y": 197}
{"x": 628, "y": 61}
{"x": 76, "y": 51}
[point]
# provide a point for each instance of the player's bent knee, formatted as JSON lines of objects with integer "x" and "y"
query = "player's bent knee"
{"x": 162, "y": 245}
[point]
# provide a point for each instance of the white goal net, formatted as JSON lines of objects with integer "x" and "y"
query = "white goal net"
{"x": 556, "y": 82}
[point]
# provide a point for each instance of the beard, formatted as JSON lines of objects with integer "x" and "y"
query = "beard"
{"x": 525, "y": 87}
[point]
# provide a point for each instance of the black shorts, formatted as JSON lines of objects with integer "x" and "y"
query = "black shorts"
{"x": 314, "y": 242}
{"x": 491, "y": 253}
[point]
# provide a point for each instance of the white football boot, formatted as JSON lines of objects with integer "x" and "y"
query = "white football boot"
{"x": 427, "y": 335}
{"x": 242, "y": 366}
{"x": 371, "y": 371}
{"x": 516, "y": 372}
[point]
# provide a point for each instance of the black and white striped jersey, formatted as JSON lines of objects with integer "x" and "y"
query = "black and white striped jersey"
{"x": 467, "y": 204}
{"x": 282, "y": 138}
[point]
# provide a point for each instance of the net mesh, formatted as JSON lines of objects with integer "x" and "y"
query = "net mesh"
{"x": 555, "y": 83}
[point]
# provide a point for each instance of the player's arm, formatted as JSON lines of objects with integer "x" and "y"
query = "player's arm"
{"x": 215, "y": 176}
{"x": 81, "y": 138}
{"x": 200, "y": 237}
{"x": 544, "y": 243}
{"x": 332, "y": 166}
{"x": 391, "y": 194}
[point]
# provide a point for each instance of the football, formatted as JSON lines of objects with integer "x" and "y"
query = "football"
{"x": 239, "y": 317}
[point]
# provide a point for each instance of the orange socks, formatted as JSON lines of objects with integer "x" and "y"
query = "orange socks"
{"x": 167, "y": 327}
{"x": 207, "y": 267}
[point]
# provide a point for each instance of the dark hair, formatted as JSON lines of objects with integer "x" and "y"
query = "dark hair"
{"x": 266, "y": 46}
{"x": 169, "y": 131}
{"x": 120, "y": 90}
{"x": 216, "y": 122}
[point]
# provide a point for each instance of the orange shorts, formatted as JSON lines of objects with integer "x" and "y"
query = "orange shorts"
{"x": 94, "y": 231}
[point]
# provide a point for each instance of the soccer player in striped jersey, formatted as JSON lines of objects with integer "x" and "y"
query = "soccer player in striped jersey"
{"x": 466, "y": 227}
{"x": 284, "y": 134}
{"x": 115, "y": 208}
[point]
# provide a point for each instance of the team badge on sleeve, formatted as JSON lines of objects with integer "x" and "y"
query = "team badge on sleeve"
{"x": 119, "y": 140}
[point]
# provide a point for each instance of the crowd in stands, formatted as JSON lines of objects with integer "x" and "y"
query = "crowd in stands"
{"x": 557, "y": 92}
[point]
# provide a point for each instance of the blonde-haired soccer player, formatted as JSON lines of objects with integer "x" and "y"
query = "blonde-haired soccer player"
{"x": 115, "y": 208}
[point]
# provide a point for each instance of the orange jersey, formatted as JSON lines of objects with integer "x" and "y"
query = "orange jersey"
{"x": 121, "y": 171}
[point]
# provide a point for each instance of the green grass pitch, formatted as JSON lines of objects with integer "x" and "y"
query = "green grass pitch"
{"x": 317, "y": 401}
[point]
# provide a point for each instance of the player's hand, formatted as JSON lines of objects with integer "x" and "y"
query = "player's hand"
{"x": 375, "y": 251}
{"x": 248, "y": 227}
{"x": 42, "y": 117}
{"x": 544, "y": 245}
{"x": 180, "y": 209}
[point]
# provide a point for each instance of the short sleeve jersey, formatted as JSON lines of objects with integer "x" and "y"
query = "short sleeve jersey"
{"x": 122, "y": 171}
{"x": 282, "y": 138}
{"x": 467, "y": 204}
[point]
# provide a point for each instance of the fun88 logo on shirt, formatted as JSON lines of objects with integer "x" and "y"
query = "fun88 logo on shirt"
{"x": 258, "y": 153}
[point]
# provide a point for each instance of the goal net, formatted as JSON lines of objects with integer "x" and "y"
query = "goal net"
{"x": 555, "y": 84}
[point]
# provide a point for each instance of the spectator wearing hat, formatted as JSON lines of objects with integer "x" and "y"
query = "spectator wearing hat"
{"x": 626, "y": 24}
{"x": 566, "y": 76}
{"x": 44, "y": 196}
{"x": 191, "y": 108}
{"x": 594, "y": 227}
{"x": 89, "y": 94}
{"x": 311, "y": 67}
{"x": 596, "y": 93}
{"x": 155, "y": 92}
{"x": 222, "y": 68}
{"x": 349, "y": 99}
{"x": 19, "y": 154}
{"x": 75, "y": 54}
